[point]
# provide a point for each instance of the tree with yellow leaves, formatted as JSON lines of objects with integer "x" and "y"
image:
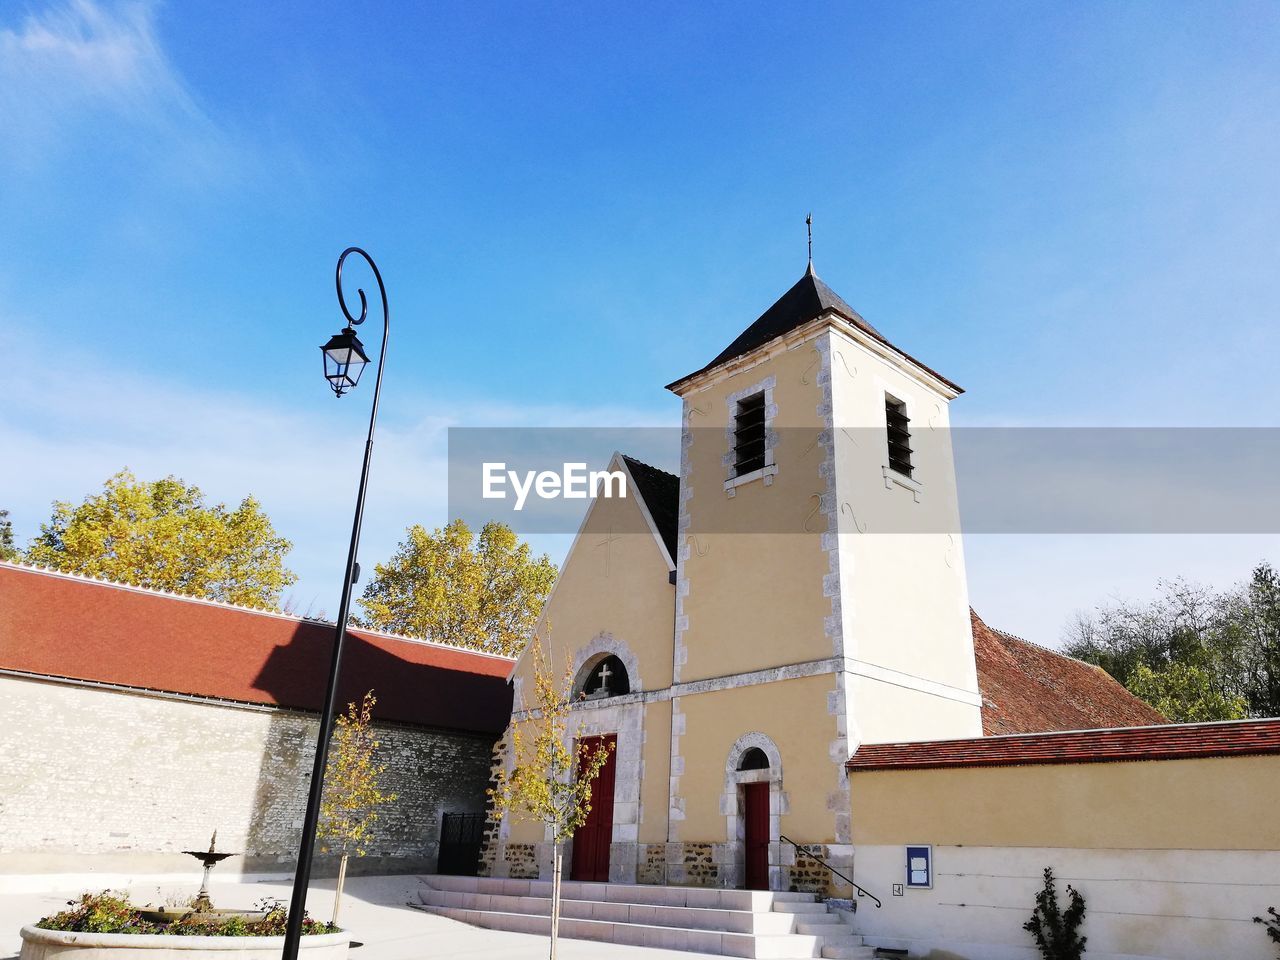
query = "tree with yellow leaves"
{"x": 480, "y": 590}
{"x": 352, "y": 790}
{"x": 162, "y": 534}
{"x": 549, "y": 779}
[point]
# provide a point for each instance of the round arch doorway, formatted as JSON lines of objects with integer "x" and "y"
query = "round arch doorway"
{"x": 753, "y": 802}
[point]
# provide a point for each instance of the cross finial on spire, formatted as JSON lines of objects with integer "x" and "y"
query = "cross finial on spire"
{"x": 808, "y": 225}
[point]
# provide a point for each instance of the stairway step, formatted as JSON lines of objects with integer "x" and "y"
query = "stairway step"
{"x": 783, "y": 947}
{"x": 799, "y": 906}
{"x": 821, "y": 924}
{"x": 848, "y": 952}
{"x": 695, "y": 918}
{"x": 622, "y": 892}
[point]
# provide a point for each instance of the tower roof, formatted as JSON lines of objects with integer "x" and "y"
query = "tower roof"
{"x": 808, "y": 299}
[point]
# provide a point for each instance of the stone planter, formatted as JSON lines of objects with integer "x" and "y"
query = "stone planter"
{"x": 40, "y": 944}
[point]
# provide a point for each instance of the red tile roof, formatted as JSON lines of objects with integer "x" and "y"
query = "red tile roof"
{"x": 62, "y": 625}
{"x": 1165, "y": 742}
{"x": 1030, "y": 689}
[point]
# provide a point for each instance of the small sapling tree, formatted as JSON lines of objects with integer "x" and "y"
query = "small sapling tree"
{"x": 1057, "y": 932}
{"x": 352, "y": 790}
{"x": 549, "y": 779}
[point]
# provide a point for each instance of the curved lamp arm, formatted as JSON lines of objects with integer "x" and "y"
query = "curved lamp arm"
{"x": 364, "y": 303}
{"x": 302, "y": 875}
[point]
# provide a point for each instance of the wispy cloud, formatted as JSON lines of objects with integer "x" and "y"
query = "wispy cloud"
{"x": 81, "y": 74}
{"x": 301, "y": 462}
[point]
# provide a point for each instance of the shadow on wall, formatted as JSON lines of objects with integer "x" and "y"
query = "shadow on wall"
{"x": 436, "y": 734}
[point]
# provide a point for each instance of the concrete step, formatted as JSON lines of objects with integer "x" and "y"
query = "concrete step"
{"x": 850, "y": 951}
{"x": 624, "y": 892}
{"x": 822, "y": 924}
{"x": 611, "y": 911}
{"x": 724, "y": 943}
{"x": 800, "y": 906}
{"x": 777, "y": 925}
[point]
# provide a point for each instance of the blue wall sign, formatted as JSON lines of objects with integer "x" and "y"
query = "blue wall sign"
{"x": 920, "y": 866}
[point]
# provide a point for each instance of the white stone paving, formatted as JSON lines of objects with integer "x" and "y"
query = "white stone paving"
{"x": 374, "y": 909}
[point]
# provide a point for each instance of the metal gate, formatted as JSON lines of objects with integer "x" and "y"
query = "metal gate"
{"x": 461, "y": 837}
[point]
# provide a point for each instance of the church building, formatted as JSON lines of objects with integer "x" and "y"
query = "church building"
{"x": 796, "y": 592}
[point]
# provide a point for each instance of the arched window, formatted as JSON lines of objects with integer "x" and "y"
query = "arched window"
{"x": 754, "y": 759}
{"x": 608, "y": 678}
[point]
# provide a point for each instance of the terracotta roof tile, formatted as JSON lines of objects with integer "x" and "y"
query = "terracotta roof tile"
{"x": 1030, "y": 689}
{"x": 1165, "y": 742}
{"x": 62, "y": 625}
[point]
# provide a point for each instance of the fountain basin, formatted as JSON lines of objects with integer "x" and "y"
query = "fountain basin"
{"x": 38, "y": 944}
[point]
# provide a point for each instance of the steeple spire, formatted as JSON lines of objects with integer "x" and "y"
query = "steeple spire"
{"x": 808, "y": 225}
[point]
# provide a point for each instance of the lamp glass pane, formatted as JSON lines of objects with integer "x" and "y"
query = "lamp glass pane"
{"x": 342, "y": 354}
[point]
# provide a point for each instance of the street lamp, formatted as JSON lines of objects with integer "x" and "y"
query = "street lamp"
{"x": 344, "y": 361}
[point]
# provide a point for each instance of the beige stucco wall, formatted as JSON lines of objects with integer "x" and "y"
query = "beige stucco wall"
{"x": 620, "y": 588}
{"x": 1225, "y": 803}
{"x": 793, "y": 714}
{"x": 657, "y": 767}
{"x": 1173, "y": 857}
{"x": 755, "y": 597}
{"x": 614, "y": 595}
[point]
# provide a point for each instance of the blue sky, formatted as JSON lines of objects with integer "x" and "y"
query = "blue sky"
{"x": 1072, "y": 210}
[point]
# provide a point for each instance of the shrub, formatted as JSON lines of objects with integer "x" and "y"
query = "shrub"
{"x": 1273, "y": 924}
{"x": 104, "y": 912}
{"x": 1055, "y": 931}
{"x": 271, "y": 924}
{"x": 109, "y": 912}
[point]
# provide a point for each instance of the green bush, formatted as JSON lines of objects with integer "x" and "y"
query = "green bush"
{"x": 109, "y": 912}
{"x": 271, "y": 924}
{"x": 1055, "y": 931}
{"x": 104, "y": 912}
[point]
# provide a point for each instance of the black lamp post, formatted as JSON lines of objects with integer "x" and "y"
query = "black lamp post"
{"x": 344, "y": 361}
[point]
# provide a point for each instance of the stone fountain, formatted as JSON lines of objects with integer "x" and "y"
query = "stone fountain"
{"x": 202, "y": 903}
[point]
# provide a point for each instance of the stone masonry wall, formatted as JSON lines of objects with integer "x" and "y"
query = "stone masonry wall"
{"x": 107, "y": 780}
{"x": 806, "y": 875}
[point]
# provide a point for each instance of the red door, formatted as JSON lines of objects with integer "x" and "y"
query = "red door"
{"x": 756, "y": 801}
{"x": 591, "y": 840}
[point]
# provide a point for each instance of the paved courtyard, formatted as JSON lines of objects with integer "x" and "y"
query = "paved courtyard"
{"x": 374, "y": 909}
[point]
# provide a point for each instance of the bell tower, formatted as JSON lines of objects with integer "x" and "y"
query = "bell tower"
{"x": 820, "y": 567}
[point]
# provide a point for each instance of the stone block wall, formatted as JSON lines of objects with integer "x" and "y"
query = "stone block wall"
{"x": 107, "y": 780}
{"x": 653, "y": 864}
{"x": 521, "y": 860}
{"x": 806, "y": 875}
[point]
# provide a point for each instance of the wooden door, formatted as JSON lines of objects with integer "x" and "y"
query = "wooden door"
{"x": 756, "y": 801}
{"x": 591, "y": 840}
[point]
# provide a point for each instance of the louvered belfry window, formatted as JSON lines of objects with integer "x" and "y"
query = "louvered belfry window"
{"x": 748, "y": 435}
{"x": 899, "y": 428}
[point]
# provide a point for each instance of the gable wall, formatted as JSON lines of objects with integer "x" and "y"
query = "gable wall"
{"x": 621, "y": 588}
{"x": 613, "y": 594}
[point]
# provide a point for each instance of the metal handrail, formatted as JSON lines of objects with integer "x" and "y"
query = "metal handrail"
{"x": 849, "y": 880}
